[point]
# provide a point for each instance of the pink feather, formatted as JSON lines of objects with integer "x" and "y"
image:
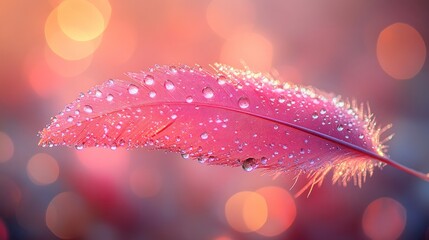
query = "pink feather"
{"x": 228, "y": 117}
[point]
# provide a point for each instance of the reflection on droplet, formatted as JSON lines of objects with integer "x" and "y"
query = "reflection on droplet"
{"x": 243, "y": 102}
{"x": 169, "y": 85}
{"x": 98, "y": 93}
{"x": 264, "y": 161}
{"x": 133, "y": 89}
{"x": 87, "y": 109}
{"x": 208, "y": 92}
{"x": 322, "y": 111}
{"x": 189, "y": 99}
{"x": 315, "y": 115}
{"x": 79, "y": 147}
{"x": 384, "y": 218}
{"x": 204, "y": 136}
{"x": 221, "y": 79}
{"x": 361, "y": 136}
{"x": 70, "y": 119}
{"x": 148, "y": 80}
{"x": 340, "y": 127}
{"x": 109, "y": 98}
{"x": 249, "y": 164}
{"x": 152, "y": 94}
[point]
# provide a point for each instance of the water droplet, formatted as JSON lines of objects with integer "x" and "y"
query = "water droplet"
{"x": 152, "y": 94}
{"x": 169, "y": 85}
{"x": 87, "y": 109}
{"x": 133, "y": 89}
{"x": 282, "y": 99}
{"x": 113, "y": 147}
{"x": 361, "y": 136}
{"x": 243, "y": 102}
{"x": 290, "y": 155}
{"x": 322, "y": 111}
{"x": 208, "y": 92}
{"x": 79, "y": 147}
{"x": 221, "y": 80}
{"x": 189, "y": 99}
{"x": 204, "y": 136}
{"x": 185, "y": 155}
{"x": 174, "y": 116}
{"x": 264, "y": 161}
{"x": 173, "y": 69}
{"x": 315, "y": 115}
{"x": 311, "y": 162}
{"x": 276, "y": 127}
{"x": 148, "y": 80}
{"x": 340, "y": 127}
{"x": 109, "y": 98}
{"x": 70, "y": 119}
{"x": 98, "y": 93}
{"x": 202, "y": 159}
{"x": 249, "y": 164}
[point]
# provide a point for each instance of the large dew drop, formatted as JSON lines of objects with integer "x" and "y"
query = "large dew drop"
{"x": 169, "y": 85}
{"x": 208, "y": 92}
{"x": 87, "y": 109}
{"x": 133, "y": 89}
{"x": 243, "y": 102}
{"x": 148, "y": 80}
{"x": 249, "y": 164}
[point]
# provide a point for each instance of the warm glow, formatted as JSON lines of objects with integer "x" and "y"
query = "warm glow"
{"x": 250, "y": 48}
{"x": 6, "y": 147}
{"x": 145, "y": 181}
{"x": 66, "y": 68}
{"x": 229, "y": 17}
{"x": 67, "y": 216}
{"x": 80, "y": 20}
{"x": 104, "y": 161}
{"x": 281, "y": 211}
{"x": 246, "y": 211}
{"x": 41, "y": 78}
{"x": 118, "y": 34}
{"x": 401, "y": 51}
{"x": 254, "y": 211}
{"x": 43, "y": 169}
{"x": 64, "y": 46}
{"x": 384, "y": 218}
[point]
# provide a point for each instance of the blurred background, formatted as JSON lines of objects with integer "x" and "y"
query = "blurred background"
{"x": 372, "y": 51}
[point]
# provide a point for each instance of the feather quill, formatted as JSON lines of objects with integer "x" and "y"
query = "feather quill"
{"x": 228, "y": 117}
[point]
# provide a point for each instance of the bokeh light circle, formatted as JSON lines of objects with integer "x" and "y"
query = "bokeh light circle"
{"x": 80, "y": 20}
{"x": 6, "y": 147}
{"x": 401, "y": 51}
{"x": 281, "y": 210}
{"x": 43, "y": 169}
{"x": 246, "y": 211}
{"x": 64, "y": 46}
{"x": 384, "y": 218}
{"x": 68, "y": 216}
